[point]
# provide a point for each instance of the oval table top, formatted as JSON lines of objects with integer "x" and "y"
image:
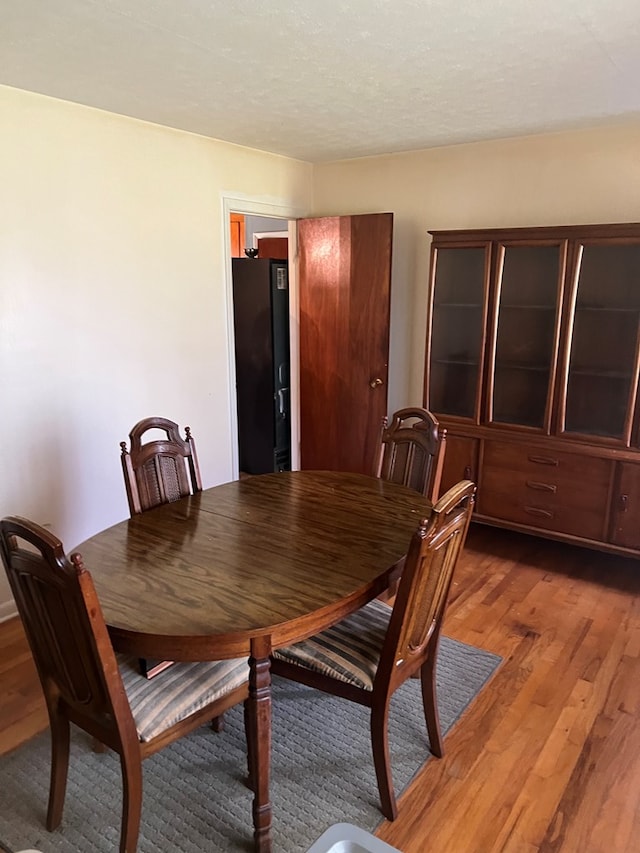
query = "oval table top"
{"x": 283, "y": 555}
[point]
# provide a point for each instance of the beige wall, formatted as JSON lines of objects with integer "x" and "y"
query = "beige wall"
{"x": 112, "y": 275}
{"x": 112, "y": 299}
{"x": 583, "y": 177}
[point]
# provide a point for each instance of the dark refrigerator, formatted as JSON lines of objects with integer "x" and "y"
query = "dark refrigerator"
{"x": 261, "y": 324}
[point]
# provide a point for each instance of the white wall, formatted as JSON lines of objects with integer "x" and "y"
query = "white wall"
{"x": 260, "y": 224}
{"x": 112, "y": 299}
{"x": 582, "y": 177}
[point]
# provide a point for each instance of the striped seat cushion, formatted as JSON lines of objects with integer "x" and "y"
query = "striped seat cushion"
{"x": 158, "y": 703}
{"x": 349, "y": 651}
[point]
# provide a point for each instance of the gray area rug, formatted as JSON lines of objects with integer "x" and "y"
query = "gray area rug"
{"x": 194, "y": 796}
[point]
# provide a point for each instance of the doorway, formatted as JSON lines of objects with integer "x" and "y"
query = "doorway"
{"x": 271, "y": 215}
{"x": 341, "y": 335}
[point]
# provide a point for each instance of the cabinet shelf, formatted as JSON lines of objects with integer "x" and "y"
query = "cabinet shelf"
{"x": 597, "y": 373}
{"x": 512, "y": 306}
{"x": 475, "y": 305}
{"x": 459, "y": 361}
{"x": 606, "y": 309}
{"x": 515, "y": 418}
{"x": 531, "y": 368}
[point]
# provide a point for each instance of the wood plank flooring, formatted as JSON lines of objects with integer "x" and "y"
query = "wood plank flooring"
{"x": 547, "y": 759}
{"x": 22, "y": 708}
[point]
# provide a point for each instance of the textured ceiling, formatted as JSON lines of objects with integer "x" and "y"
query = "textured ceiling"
{"x": 322, "y": 80}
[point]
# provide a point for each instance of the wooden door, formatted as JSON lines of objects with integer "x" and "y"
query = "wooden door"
{"x": 345, "y": 288}
{"x": 625, "y": 515}
{"x": 237, "y": 230}
{"x": 273, "y": 247}
{"x": 460, "y": 461}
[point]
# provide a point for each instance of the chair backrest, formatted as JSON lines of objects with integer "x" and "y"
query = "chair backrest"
{"x": 412, "y": 448}
{"x": 161, "y": 470}
{"x": 424, "y": 585}
{"x": 63, "y": 621}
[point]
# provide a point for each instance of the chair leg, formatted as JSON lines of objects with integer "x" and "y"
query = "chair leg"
{"x": 251, "y": 750}
{"x": 59, "y": 770}
{"x": 430, "y": 703}
{"x": 381, "y": 759}
{"x": 97, "y": 746}
{"x": 131, "y": 767}
{"x": 217, "y": 724}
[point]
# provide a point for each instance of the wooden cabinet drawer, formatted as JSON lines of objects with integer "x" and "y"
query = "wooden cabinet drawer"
{"x": 562, "y": 492}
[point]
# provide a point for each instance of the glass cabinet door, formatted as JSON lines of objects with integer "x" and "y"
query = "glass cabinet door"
{"x": 603, "y": 351}
{"x": 526, "y": 333}
{"x": 458, "y": 316}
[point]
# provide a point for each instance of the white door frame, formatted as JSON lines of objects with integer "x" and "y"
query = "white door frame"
{"x": 278, "y": 210}
{"x": 260, "y": 235}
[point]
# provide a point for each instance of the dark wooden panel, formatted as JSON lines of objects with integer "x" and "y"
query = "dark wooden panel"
{"x": 345, "y": 284}
{"x": 626, "y": 506}
{"x": 460, "y": 461}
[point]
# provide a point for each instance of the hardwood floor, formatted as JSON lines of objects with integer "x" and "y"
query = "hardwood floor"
{"x": 547, "y": 759}
{"x": 22, "y": 709}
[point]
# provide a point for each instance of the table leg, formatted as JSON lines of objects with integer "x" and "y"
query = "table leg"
{"x": 259, "y": 740}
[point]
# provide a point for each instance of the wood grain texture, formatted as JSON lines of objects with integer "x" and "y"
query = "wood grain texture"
{"x": 280, "y": 554}
{"x": 246, "y": 567}
{"x": 80, "y": 675}
{"x": 535, "y": 356}
{"x": 412, "y": 451}
{"x": 408, "y": 644}
{"x": 274, "y": 247}
{"x": 566, "y": 620}
{"x": 345, "y": 289}
{"x": 23, "y": 712}
{"x": 547, "y": 758}
{"x": 159, "y": 470}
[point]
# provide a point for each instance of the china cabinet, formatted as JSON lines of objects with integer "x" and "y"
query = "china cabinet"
{"x": 532, "y": 365}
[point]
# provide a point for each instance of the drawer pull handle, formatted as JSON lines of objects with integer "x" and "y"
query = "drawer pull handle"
{"x": 536, "y": 510}
{"x": 543, "y": 460}
{"x": 624, "y": 500}
{"x": 542, "y": 487}
{"x": 467, "y": 473}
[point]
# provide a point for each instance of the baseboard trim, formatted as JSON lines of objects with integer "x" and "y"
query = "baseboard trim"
{"x": 7, "y": 610}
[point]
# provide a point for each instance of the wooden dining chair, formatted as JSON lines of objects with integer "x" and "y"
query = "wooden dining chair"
{"x": 412, "y": 448}
{"x": 86, "y": 683}
{"x": 160, "y": 470}
{"x": 368, "y": 655}
{"x": 157, "y": 472}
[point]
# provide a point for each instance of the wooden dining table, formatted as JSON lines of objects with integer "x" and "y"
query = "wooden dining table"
{"x": 247, "y": 567}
